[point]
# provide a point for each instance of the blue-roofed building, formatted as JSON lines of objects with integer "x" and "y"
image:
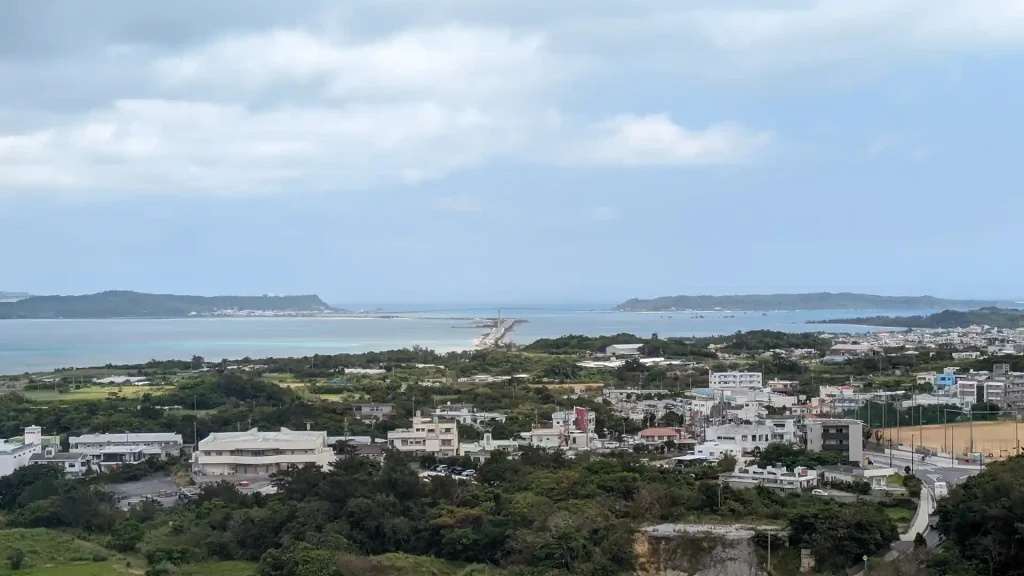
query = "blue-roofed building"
{"x": 944, "y": 381}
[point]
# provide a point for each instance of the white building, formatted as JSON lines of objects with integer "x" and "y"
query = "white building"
{"x": 713, "y": 451}
{"x": 427, "y": 435}
{"x": 623, "y": 350}
{"x": 720, "y": 380}
{"x": 255, "y": 452}
{"x": 18, "y": 452}
{"x": 167, "y": 444}
{"x": 876, "y": 477}
{"x": 468, "y": 416}
{"x": 74, "y": 463}
{"x": 747, "y": 437}
{"x": 966, "y": 355}
{"x": 795, "y": 480}
{"x": 481, "y": 451}
{"x": 783, "y": 386}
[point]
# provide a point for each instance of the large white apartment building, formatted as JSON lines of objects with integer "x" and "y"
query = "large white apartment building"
{"x": 720, "y": 380}
{"x": 427, "y": 435}
{"x": 255, "y": 452}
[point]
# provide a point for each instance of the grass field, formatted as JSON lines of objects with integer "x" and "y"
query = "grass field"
{"x": 48, "y": 552}
{"x": 94, "y": 393}
{"x": 996, "y": 438}
{"x": 342, "y": 397}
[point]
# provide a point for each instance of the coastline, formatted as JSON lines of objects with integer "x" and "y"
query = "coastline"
{"x": 46, "y": 344}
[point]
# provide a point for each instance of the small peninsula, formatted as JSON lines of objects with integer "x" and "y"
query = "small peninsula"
{"x": 1005, "y": 318}
{"x": 124, "y": 304}
{"x": 789, "y": 302}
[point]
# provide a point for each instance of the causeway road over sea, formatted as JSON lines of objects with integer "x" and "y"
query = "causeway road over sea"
{"x": 500, "y": 328}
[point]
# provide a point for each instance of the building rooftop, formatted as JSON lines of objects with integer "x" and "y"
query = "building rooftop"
{"x": 284, "y": 437}
{"x": 60, "y": 457}
{"x": 126, "y": 437}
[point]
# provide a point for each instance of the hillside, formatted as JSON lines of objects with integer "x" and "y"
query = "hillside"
{"x": 119, "y": 304}
{"x": 815, "y": 301}
{"x": 947, "y": 319}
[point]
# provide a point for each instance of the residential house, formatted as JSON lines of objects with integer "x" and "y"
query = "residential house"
{"x": 74, "y": 464}
{"x": 780, "y": 479}
{"x": 373, "y": 411}
{"x": 660, "y": 435}
{"x": 480, "y": 451}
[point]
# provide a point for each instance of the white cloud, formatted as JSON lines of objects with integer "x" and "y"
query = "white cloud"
{"x": 656, "y": 140}
{"x": 160, "y": 146}
{"x": 453, "y": 61}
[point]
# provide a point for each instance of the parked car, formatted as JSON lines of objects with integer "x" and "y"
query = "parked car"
{"x": 819, "y": 492}
{"x": 468, "y": 473}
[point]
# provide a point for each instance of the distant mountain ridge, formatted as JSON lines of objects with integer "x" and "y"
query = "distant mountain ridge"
{"x": 812, "y": 301}
{"x": 124, "y": 304}
{"x": 947, "y": 319}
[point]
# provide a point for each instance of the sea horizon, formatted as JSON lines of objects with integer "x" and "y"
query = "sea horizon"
{"x": 44, "y": 345}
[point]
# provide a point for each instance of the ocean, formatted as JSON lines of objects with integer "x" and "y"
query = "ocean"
{"x": 41, "y": 345}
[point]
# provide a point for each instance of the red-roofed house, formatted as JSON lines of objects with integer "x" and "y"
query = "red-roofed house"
{"x": 659, "y": 435}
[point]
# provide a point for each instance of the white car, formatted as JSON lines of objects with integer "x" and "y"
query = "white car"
{"x": 819, "y": 492}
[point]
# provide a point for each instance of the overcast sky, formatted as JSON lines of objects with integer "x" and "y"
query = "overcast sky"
{"x": 420, "y": 151}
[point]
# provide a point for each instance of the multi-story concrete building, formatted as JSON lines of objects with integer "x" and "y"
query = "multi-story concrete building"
{"x": 167, "y": 444}
{"x": 840, "y": 435}
{"x": 255, "y": 452}
{"x": 428, "y": 436}
{"x": 373, "y": 411}
{"x": 17, "y": 452}
{"x": 720, "y": 380}
{"x": 749, "y": 438}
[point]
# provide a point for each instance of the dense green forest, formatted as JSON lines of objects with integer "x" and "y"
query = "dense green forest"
{"x": 1007, "y": 318}
{"x": 122, "y": 304}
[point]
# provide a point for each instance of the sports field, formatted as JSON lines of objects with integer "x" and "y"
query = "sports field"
{"x": 992, "y": 439}
{"x": 94, "y": 393}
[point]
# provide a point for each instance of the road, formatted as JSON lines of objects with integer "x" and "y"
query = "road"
{"x": 930, "y": 471}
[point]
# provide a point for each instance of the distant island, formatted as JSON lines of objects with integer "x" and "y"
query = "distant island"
{"x": 789, "y": 302}
{"x": 123, "y": 304}
{"x": 1005, "y": 318}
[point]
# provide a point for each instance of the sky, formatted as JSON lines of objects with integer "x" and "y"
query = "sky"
{"x": 415, "y": 151}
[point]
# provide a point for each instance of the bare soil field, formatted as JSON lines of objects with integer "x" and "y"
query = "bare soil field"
{"x": 992, "y": 439}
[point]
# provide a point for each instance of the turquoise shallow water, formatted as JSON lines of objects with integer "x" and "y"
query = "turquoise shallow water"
{"x": 35, "y": 345}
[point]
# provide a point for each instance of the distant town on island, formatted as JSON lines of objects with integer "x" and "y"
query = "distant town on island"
{"x": 1007, "y": 319}
{"x": 790, "y": 302}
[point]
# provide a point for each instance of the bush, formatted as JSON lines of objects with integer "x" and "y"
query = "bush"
{"x": 15, "y": 559}
{"x": 99, "y": 557}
